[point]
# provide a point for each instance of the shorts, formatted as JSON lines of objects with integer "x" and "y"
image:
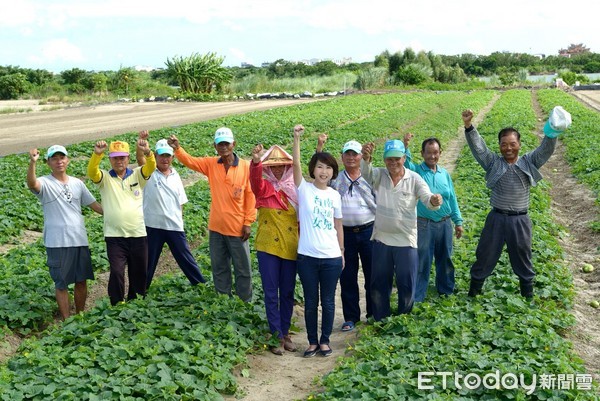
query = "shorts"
{"x": 69, "y": 265}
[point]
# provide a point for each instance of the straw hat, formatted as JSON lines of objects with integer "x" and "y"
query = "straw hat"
{"x": 276, "y": 156}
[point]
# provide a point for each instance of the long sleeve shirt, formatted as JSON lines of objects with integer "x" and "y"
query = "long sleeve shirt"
{"x": 396, "y": 215}
{"x": 232, "y": 200}
{"x": 510, "y": 183}
{"x": 122, "y": 198}
{"x": 439, "y": 182}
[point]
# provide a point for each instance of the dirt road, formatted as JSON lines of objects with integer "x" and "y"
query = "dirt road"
{"x": 20, "y": 132}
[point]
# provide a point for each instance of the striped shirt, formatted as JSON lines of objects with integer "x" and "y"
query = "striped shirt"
{"x": 510, "y": 183}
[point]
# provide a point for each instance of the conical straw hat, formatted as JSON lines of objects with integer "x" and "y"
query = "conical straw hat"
{"x": 276, "y": 156}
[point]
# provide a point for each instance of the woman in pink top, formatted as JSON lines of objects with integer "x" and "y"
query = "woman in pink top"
{"x": 272, "y": 181}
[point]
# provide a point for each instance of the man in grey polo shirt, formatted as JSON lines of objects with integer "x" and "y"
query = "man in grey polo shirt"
{"x": 65, "y": 236}
{"x": 510, "y": 178}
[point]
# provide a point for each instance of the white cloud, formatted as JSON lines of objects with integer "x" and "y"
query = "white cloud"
{"x": 58, "y": 50}
{"x": 16, "y": 13}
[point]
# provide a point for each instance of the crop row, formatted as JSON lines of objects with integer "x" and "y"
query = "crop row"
{"x": 182, "y": 342}
{"x": 498, "y": 331}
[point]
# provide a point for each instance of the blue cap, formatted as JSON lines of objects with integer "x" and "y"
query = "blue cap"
{"x": 393, "y": 148}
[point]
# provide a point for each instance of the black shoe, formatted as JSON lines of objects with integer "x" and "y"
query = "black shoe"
{"x": 326, "y": 352}
{"x": 309, "y": 353}
{"x": 526, "y": 288}
{"x": 475, "y": 287}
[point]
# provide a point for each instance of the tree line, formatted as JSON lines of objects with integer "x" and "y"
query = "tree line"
{"x": 205, "y": 74}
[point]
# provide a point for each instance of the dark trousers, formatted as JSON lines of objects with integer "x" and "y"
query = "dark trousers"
{"x": 177, "y": 242}
{"x": 130, "y": 252}
{"x": 226, "y": 250}
{"x": 319, "y": 277}
{"x": 500, "y": 229}
{"x": 356, "y": 244}
{"x": 278, "y": 277}
{"x": 401, "y": 261}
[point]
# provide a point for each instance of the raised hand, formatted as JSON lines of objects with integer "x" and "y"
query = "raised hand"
{"x": 100, "y": 147}
{"x": 34, "y": 155}
{"x": 407, "y": 138}
{"x": 144, "y": 146}
{"x": 173, "y": 142}
{"x": 367, "y": 151}
{"x": 298, "y": 131}
{"x": 143, "y": 135}
{"x": 467, "y": 116}
{"x": 257, "y": 152}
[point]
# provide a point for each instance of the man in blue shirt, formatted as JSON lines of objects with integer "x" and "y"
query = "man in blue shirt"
{"x": 434, "y": 239}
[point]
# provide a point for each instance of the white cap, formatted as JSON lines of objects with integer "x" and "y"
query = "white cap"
{"x": 352, "y": 145}
{"x": 223, "y": 134}
{"x": 56, "y": 149}
{"x": 163, "y": 147}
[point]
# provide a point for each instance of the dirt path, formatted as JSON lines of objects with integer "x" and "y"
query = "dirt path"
{"x": 574, "y": 207}
{"x": 20, "y": 132}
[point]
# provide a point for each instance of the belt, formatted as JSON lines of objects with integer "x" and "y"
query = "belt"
{"x": 509, "y": 212}
{"x": 433, "y": 221}
{"x": 357, "y": 229}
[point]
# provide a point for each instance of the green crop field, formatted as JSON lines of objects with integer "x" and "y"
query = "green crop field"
{"x": 183, "y": 342}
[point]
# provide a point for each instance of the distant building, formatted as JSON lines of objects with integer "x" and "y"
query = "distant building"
{"x": 313, "y": 61}
{"x": 144, "y": 68}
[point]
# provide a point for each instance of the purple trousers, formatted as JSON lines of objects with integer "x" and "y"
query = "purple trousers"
{"x": 278, "y": 280}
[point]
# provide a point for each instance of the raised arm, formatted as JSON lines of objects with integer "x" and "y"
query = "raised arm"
{"x": 479, "y": 149}
{"x": 32, "y": 182}
{"x": 150, "y": 161}
{"x": 297, "y": 166}
{"x": 139, "y": 154}
{"x": 321, "y": 142}
{"x": 93, "y": 168}
{"x": 408, "y": 163}
{"x": 366, "y": 168}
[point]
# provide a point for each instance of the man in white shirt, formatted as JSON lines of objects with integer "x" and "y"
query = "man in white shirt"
{"x": 164, "y": 197}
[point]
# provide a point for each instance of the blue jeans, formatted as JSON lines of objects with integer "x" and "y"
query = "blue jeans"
{"x": 319, "y": 276}
{"x": 356, "y": 244}
{"x": 389, "y": 260}
{"x": 435, "y": 243}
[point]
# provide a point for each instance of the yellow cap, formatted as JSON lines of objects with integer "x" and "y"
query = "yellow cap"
{"x": 118, "y": 148}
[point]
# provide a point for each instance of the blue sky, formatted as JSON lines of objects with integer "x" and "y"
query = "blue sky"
{"x": 104, "y": 35}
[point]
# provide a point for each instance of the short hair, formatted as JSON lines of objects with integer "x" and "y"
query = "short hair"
{"x": 325, "y": 158}
{"x": 431, "y": 140}
{"x": 507, "y": 131}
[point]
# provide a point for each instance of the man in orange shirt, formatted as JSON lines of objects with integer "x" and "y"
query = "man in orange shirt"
{"x": 231, "y": 212}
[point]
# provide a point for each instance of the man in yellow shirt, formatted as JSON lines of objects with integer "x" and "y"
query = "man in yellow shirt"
{"x": 231, "y": 212}
{"x": 121, "y": 190}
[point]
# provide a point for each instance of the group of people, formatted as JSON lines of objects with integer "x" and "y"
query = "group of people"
{"x": 394, "y": 221}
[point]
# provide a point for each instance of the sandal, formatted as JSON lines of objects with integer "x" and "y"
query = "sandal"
{"x": 348, "y": 326}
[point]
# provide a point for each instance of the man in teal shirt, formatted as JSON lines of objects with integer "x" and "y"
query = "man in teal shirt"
{"x": 434, "y": 239}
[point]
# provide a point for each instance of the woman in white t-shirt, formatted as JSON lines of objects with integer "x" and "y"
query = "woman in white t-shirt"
{"x": 321, "y": 244}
